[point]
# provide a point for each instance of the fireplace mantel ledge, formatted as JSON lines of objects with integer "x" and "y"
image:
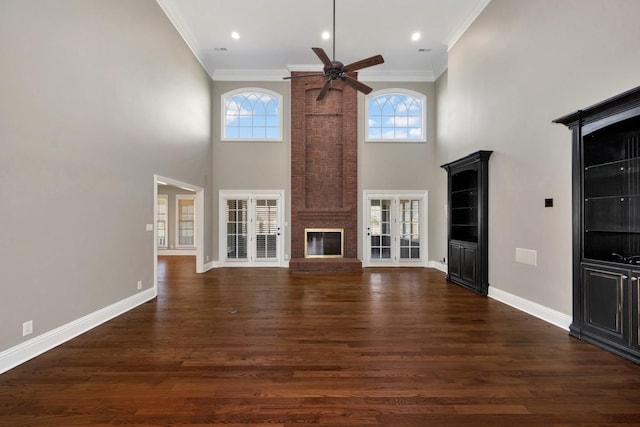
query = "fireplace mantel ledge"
{"x": 325, "y": 213}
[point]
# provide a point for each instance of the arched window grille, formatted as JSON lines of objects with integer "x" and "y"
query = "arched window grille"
{"x": 396, "y": 115}
{"x": 251, "y": 114}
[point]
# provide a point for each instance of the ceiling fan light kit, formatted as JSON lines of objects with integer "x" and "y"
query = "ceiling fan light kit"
{"x": 334, "y": 70}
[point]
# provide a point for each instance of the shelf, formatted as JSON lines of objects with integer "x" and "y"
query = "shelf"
{"x": 600, "y": 230}
{"x": 612, "y": 197}
{"x": 463, "y": 207}
{"x": 612, "y": 163}
{"x": 465, "y": 190}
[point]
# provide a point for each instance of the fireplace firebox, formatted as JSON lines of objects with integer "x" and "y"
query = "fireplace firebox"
{"x": 323, "y": 243}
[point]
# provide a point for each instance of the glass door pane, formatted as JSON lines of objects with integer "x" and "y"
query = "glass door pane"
{"x": 267, "y": 229}
{"x": 379, "y": 229}
{"x": 161, "y": 221}
{"x": 409, "y": 232}
{"x": 186, "y": 222}
{"x": 237, "y": 229}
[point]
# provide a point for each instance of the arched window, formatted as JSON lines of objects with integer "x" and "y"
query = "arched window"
{"x": 251, "y": 114}
{"x": 396, "y": 115}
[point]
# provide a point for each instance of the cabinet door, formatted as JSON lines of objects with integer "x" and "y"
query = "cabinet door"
{"x": 455, "y": 260}
{"x": 469, "y": 264}
{"x": 635, "y": 310}
{"x": 604, "y": 298}
{"x": 463, "y": 263}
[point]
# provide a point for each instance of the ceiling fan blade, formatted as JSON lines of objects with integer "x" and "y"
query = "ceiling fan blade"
{"x": 364, "y": 63}
{"x": 323, "y": 56}
{"x": 324, "y": 90}
{"x": 356, "y": 84}
{"x": 302, "y": 75}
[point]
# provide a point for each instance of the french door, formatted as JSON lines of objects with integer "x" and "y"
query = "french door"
{"x": 395, "y": 229}
{"x": 251, "y": 232}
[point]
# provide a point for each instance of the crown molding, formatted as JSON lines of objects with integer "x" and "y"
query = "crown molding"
{"x": 178, "y": 23}
{"x": 248, "y": 75}
{"x": 397, "y": 76}
{"x": 458, "y": 32}
{"x": 304, "y": 67}
{"x": 272, "y": 75}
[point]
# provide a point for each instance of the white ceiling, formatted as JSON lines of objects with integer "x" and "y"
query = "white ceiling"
{"x": 276, "y": 36}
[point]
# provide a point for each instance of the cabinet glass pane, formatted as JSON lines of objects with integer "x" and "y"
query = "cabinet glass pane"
{"x": 464, "y": 206}
{"x": 465, "y": 233}
{"x": 463, "y": 199}
{"x": 611, "y": 179}
{"x": 464, "y": 180}
{"x": 611, "y": 185}
{"x": 612, "y": 143}
{"x": 464, "y": 216}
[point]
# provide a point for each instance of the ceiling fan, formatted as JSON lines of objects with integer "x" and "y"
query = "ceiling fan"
{"x": 335, "y": 70}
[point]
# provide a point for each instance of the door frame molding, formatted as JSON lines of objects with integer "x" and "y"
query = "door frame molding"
{"x": 199, "y": 232}
{"x": 423, "y": 195}
{"x": 222, "y": 226}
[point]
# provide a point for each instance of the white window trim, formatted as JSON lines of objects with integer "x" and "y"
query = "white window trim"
{"x": 223, "y": 103}
{"x": 400, "y": 91}
{"x": 395, "y": 261}
{"x": 164, "y": 197}
{"x": 177, "y": 219}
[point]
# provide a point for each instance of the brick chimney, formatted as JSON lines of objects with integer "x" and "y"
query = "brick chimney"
{"x": 324, "y": 170}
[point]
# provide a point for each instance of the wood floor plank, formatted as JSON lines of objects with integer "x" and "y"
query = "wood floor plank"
{"x": 385, "y": 347}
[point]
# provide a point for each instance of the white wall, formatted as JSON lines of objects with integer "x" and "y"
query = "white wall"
{"x": 519, "y": 66}
{"x": 97, "y": 97}
{"x": 246, "y": 165}
{"x": 393, "y": 165}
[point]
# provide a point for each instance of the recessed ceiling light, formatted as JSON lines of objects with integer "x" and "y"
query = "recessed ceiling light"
{"x": 415, "y": 36}
{"x": 235, "y": 35}
{"x": 326, "y": 35}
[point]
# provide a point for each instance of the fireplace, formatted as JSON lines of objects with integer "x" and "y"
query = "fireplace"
{"x": 323, "y": 243}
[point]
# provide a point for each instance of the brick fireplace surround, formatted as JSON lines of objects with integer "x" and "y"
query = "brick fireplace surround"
{"x": 324, "y": 171}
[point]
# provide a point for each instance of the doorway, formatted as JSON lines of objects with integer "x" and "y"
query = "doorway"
{"x": 189, "y": 223}
{"x": 251, "y": 228}
{"x": 395, "y": 229}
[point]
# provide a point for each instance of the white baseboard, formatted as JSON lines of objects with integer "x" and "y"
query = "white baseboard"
{"x": 27, "y": 350}
{"x": 547, "y": 314}
{"x": 210, "y": 265}
{"x": 438, "y": 266}
{"x": 177, "y": 252}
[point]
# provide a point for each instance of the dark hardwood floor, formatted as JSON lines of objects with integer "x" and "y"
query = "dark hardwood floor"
{"x": 390, "y": 347}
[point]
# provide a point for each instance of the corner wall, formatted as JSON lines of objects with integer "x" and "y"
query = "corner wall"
{"x": 97, "y": 97}
{"x": 520, "y": 65}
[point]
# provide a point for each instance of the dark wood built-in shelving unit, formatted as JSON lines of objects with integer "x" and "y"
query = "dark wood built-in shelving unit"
{"x": 606, "y": 223}
{"x": 468, "y": 221}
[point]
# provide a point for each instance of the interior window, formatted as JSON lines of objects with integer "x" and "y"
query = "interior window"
{"x": 252, "y": 115}
{"x": 396, "y": 115}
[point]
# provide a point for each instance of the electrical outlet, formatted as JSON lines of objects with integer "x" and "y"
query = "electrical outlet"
{"x": 27, "y": 328}
{"x": 139, "y": 284}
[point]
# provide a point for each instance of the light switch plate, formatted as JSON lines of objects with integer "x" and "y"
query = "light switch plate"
{"x": 149, "y": 227}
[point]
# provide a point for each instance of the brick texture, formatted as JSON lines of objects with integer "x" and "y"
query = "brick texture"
{"x": 324, "y": 186}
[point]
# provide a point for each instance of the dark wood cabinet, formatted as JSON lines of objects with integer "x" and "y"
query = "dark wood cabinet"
{"x": 463, "y": 262}
{"x": 606, "y": 223}
{"x": 468, "y": 221}
{"x": 604, "y": 292}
